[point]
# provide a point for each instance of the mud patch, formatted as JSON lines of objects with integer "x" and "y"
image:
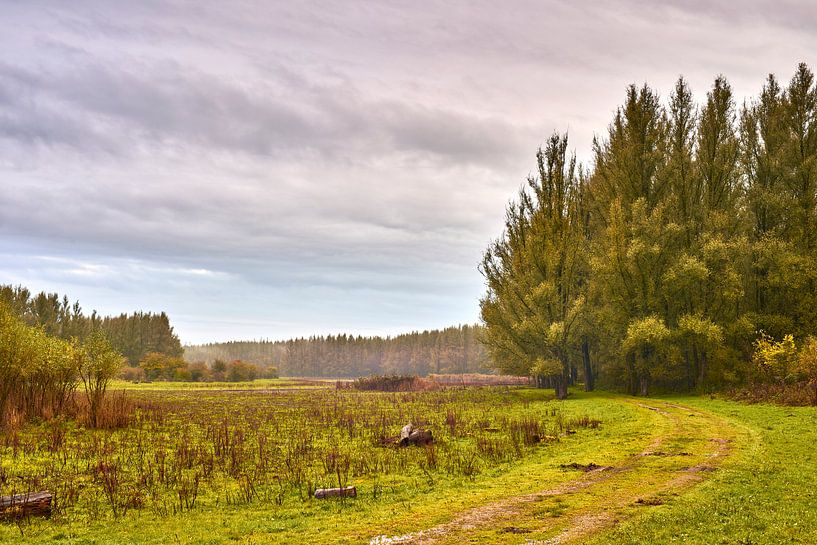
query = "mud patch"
{"x": 649, "y": 501}
{"x": 585, "y": 467}
{"x": 698, "y": 469}
{"x": 514, "y": 530}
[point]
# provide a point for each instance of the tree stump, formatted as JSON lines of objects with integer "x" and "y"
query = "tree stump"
{"x": 24, "y": 505}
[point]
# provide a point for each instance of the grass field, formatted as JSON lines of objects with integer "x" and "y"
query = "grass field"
{"x": 239, "y": 467}
{"x": 257, "y": 384}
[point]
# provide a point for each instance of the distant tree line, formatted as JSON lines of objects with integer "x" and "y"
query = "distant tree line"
{"x": 450, "y": 350}
{"x": 683, "y": 257}
{"x": 132, "y": 335}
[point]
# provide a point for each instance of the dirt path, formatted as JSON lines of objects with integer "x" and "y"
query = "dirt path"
{"x": 696, "y": 443}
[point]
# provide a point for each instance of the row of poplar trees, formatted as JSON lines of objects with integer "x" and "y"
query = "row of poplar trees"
{"x": 693, "y": 233}
{"x": 450, "y": 350}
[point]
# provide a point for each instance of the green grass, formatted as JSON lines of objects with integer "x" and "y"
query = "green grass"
{"x": 761, "y": 493}
{"x": 764, "y": 494}
{"x": 258, "y": 384}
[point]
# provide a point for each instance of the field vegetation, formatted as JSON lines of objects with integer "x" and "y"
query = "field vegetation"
{"x": 176, "y": 454}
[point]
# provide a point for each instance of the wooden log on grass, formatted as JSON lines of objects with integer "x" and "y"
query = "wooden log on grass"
{"x": 25, "y": 505}
{"x": 410, "y": 435}
{"x": 346, "y": 492}
{"x": 419, "y": 438}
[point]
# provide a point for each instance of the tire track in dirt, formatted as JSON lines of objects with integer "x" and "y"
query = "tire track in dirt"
{"x": 585, "y": 522}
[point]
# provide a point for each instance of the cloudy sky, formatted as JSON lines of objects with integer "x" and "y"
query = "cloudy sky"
{"x": 269, "y": 169}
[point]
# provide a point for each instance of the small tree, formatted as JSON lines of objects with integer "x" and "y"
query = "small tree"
{"x": 549, "y": 370}
{"x": 645, "y": 350}
{"x": 218, "y": 370}
{"x": 98, "y": 363}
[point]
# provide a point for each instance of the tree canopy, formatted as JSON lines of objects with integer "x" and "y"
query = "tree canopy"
{"x": 690, "y": 236}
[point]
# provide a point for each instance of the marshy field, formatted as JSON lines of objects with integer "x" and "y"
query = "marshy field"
{"x": 506, "y": 465}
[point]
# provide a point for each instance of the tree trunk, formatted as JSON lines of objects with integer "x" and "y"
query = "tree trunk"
{"x": 560, "y": 387}
{"x": 703, "y": 369}
{"x": 698, "y": 366}
{"x": 644, "y": 386}
{"x": 632, "y": 376}
{"x": 589, "y": 379}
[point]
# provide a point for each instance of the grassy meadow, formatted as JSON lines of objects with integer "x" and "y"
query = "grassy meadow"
{"x": 507, "y": 466}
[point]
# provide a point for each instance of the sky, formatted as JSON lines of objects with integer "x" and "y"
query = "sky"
{"x": 272, "y": 169}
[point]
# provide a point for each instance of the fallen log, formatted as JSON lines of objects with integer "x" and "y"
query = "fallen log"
{"x": 420, "y": 438}
{"x": 410, "y": 435}
{"x": 24, "y": 505}
{"x": 347, "y": 492}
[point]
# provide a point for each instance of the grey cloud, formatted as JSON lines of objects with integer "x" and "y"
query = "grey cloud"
{"x": 348, "y": 159}
{"x": 175, "y": 104}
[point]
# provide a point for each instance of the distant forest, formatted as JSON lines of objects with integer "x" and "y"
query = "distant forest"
{"x": 141, "y": 336}
{"x": 132, "y": 335}
{"x": 451, "y": 350}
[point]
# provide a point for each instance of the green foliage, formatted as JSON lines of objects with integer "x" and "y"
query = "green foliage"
{"x": 133, "y": 335}
{"x": 40, "y": 373}
{"x": 98, "y": 362}
{"x": 158, "y": 366}
{"x": 241, "y": 371}
{"x": 693, "y": 231}
{"x": 806, "y": 366}
{"x": 775, "y": 360}
{"x": 534, "y": 309}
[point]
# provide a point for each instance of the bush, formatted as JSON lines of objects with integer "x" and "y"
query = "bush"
{"x": 386, "y": 383}
{"x": 241, "y": 371}
{"x": 132, "y": 374}
{"x": 775, "y": 361}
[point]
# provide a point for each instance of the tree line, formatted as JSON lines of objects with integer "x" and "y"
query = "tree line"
{"x": 450, "y": 350}
{"x": 132, "y": 335}
{"x": 676, "y": 257}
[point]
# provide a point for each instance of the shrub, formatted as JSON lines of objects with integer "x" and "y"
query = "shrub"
{"x": 386, "y": 383}
{"x": 775, "y": 361}
{"x": 132, "y": 374}
{"x": 241, "y": 371}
